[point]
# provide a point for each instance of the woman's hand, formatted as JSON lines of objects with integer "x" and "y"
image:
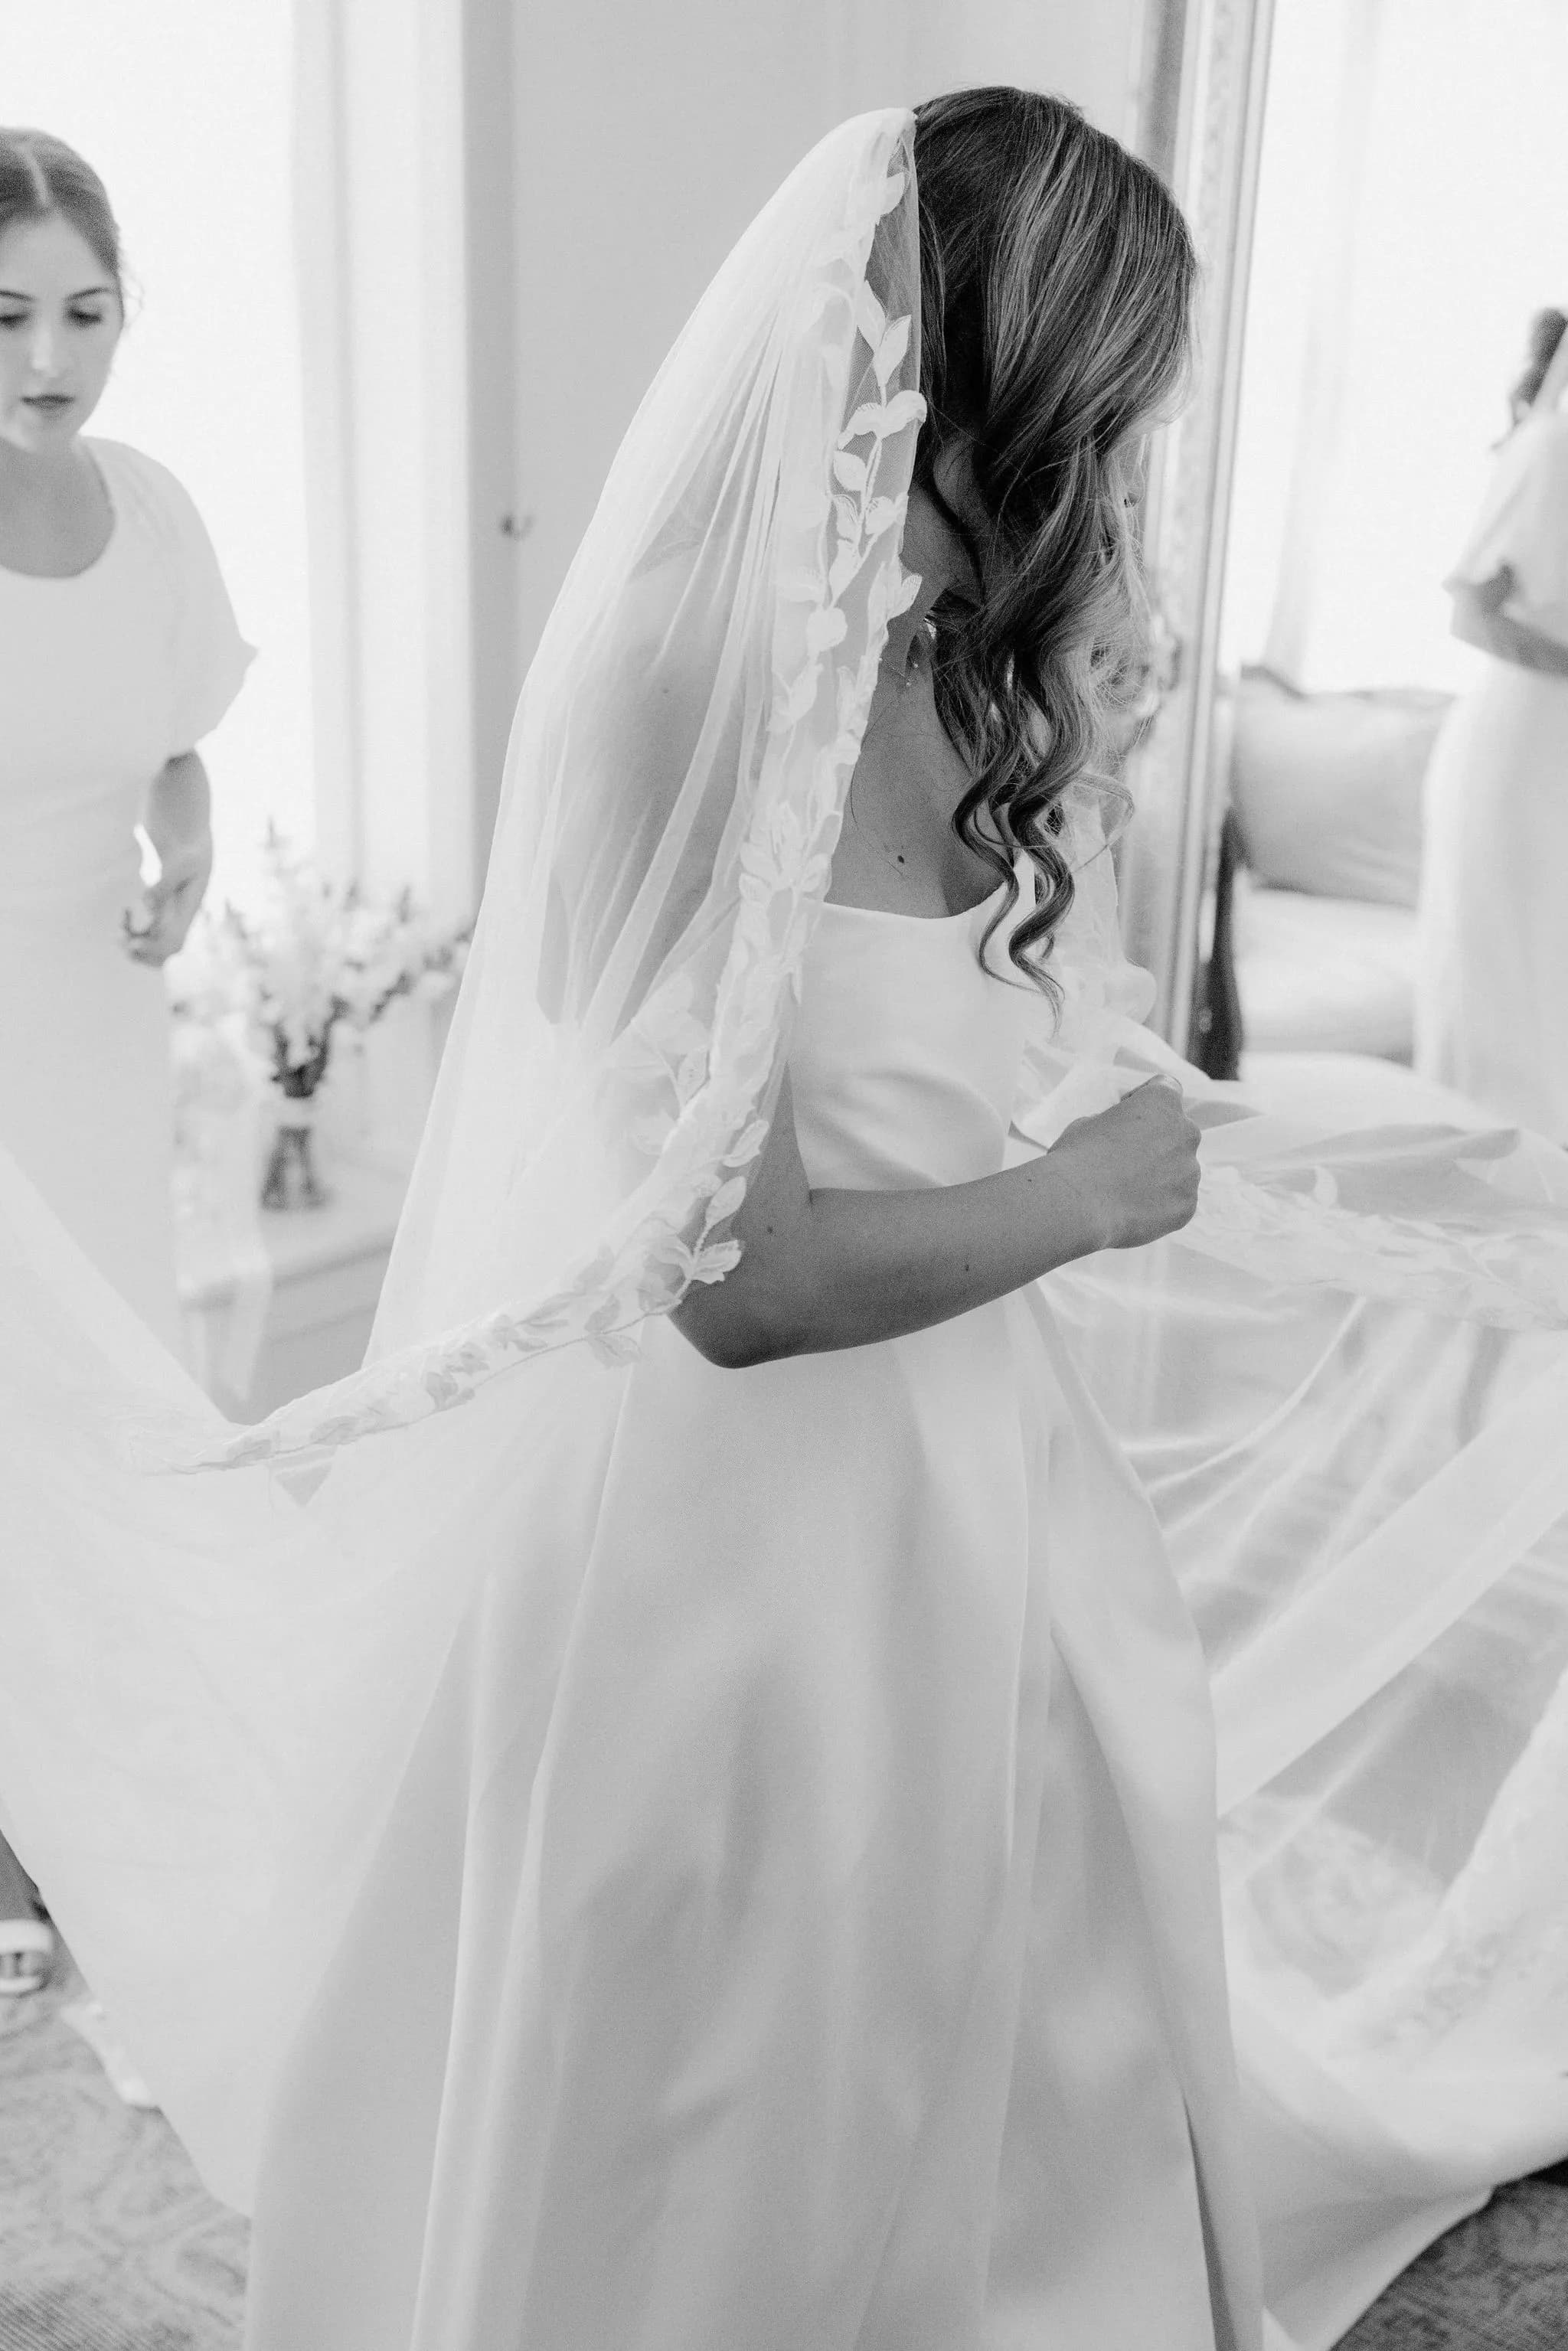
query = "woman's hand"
{"x": 1134, "y": 1167}
{"x": 1480, "y": 620}
{"x": 170, "y": 904}
{"x": 178, "y": 827}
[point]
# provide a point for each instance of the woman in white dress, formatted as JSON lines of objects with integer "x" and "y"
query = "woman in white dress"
{"x": 1492, "y": 1005}
{"x": 873, "y": 1994}
{"x": 118, "y": 652}
{"x": 773, "y": 1676}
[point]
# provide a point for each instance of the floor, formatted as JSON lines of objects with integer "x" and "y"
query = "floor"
{"x": 1497, "y": 2283}
{"x": 109, "y": 2243}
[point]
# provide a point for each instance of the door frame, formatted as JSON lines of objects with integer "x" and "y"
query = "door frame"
{"x": 1203, "y": 85}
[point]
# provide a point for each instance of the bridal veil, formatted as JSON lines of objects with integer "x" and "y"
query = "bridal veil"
{"x": 1345, "y": 1383}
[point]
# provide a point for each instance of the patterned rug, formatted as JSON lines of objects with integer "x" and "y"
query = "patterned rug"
{"x": 1497, "y": 2283}
{"x": 107, "y": 2242}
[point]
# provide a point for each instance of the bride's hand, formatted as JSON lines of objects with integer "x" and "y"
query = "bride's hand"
{"x": 1134, "y": 1167}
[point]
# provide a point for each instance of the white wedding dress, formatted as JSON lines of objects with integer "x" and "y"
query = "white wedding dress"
{"x": 598, "y": 1850}
{"x": 104, "y": 676}
{"x": 799, "y": 1923}
{"x": 1492, "y": 1003}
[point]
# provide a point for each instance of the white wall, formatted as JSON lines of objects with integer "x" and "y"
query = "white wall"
{"x": 649, "y": 131}
{"x": 182, "y": 107}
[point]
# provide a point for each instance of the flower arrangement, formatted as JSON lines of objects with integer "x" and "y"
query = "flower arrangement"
{"x": 307, "y": 956}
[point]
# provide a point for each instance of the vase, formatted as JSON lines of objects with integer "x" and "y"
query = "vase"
{"x": 291, "y": 1180}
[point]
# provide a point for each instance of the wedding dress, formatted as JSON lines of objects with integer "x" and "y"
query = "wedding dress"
{"x": 1492, "y": 973}
{"x": 105, "y": 676}
{"x": 806, "y": 1794}
{"x": 844, "y": 1889}
{"x": 1367, "y": 1508}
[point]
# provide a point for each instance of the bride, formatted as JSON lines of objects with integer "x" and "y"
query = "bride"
{"x": 1492, "y": 991}
{"x": 774, "y": 1674}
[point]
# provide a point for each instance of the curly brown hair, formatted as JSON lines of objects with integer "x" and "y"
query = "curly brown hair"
{"x": 1057, "y": 278}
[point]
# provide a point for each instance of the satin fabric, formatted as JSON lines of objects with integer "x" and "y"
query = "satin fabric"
{"x": 1367, "y": 1506}
{"x": 1491, "y": 994}
{"x": 824, "y": 1948}
{"x": 1491, "y": 1004}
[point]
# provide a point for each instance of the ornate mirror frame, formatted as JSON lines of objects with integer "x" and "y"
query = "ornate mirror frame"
{"x": 1202, "y": 74}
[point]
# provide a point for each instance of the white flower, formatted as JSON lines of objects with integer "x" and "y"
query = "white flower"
{"x": 305, "y": 955}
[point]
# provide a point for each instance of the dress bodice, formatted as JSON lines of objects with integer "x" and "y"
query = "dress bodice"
{"x": 904, "y": 1063}
{"x": 106, "y": 674}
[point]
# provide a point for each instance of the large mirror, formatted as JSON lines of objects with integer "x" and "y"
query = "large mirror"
{"x": 1378, "y": 187}
{"x": 1202, "y": 76}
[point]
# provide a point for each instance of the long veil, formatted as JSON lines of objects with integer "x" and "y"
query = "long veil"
{"x": 219, "y": 1642}
{"x": 1344, "y": 1385}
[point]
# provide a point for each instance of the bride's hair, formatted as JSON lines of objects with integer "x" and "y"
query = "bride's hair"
{"x": 40, "y": 175}
{"x": 1546, "y": 330}
{"x": 1057, "y": 276}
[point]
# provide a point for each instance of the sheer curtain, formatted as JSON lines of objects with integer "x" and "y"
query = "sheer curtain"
{"x": 1414, "y": 183}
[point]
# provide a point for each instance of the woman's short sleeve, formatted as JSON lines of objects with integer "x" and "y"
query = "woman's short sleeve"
{"x": 1523, "y": 524}
{"x": 207, "y": 655}
{"x": 211, "y": 657}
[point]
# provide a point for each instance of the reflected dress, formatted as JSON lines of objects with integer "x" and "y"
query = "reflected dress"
{"x": 799, "y": 1923}
{"x": 1491, "y": 998}
{"x": 104, "y": 676}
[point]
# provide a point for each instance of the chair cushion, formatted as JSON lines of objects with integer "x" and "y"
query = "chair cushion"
{"x": 1327, "y": 787}
{"x": 1321, "y": 975}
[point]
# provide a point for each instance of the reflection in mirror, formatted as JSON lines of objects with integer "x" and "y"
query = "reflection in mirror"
{"x": 1201, "y": 77}
{"x": 1413, "y": 184}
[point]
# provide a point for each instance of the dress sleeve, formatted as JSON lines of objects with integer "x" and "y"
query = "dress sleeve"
{"x": 211, "y": 657}
{"x": 1523, "y": 523}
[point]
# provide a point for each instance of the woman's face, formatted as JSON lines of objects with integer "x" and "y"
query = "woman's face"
{"x": 60, "y": 321}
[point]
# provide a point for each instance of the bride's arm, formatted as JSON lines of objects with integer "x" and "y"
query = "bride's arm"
{"x": 821, "y": 1269}
{"x": 1479, "y": 619}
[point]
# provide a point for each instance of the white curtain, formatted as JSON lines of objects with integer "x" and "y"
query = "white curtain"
{"x": 378, "y": 209}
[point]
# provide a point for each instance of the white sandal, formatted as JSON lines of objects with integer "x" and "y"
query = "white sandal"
{"x": 25, "y": 1938}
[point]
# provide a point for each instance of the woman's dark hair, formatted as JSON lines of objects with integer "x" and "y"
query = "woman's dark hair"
{"x": 1057, "y": 278}
{"x": 40, "y": 175}
{"x": 1545, "y": 332}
